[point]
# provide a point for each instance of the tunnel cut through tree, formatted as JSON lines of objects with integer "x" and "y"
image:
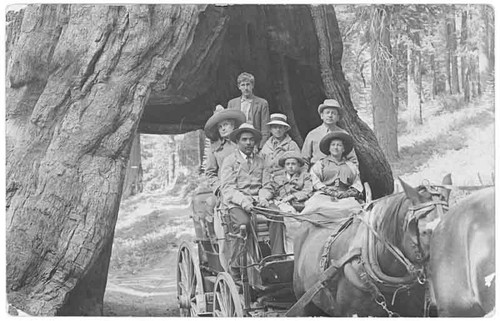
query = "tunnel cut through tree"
{"x": 82, "y": 79}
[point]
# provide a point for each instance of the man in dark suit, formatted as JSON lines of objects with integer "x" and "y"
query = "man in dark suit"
{"x": 256, "y": 109}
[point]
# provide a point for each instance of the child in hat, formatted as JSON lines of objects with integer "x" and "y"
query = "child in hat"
{"x": 279, "y": 143}
{"x": 289, "y": 189}
{"x": 292, "y": 184}
{"x": 330, "y": 113}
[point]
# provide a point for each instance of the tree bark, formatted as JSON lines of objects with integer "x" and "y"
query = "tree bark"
{"x": 78, "y": 77}
{"x": 373, "y": 165}
{"x": 385, "y": 111}
{"x": 82, "y": 79}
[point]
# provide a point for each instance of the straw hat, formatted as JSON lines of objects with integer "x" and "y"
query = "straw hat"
{"x": 330, "y": 103}
{"x": 291, "y": 154}
{"x": 278, "y": 119}
{"x": 220, "y": 114}
{"x": 245, "y": 127}
{"x": 324, "y": 144}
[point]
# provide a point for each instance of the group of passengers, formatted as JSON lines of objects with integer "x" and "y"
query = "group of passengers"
{"x": 253, "y": 161}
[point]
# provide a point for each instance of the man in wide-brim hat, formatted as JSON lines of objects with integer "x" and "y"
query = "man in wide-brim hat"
{"x": 278, "y": 143}
{"x": 330, "y": 113}
{"x": 245, "y": 128}
{"x": 243, "y": 175}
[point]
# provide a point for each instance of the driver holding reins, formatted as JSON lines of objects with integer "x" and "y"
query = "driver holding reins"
{"x": 243, "y": 175}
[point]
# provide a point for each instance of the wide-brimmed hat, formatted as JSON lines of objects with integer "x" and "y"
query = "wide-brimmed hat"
{"x": 330, "y": 103}
{"x": 291, "y": 154}
{"x": 278, "y": 119}
{"x": 245, "y": 127}
{"x": 220, "y": 114}
{"x": 324, "y": 144}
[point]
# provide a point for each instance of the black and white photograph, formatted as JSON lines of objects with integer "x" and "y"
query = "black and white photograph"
{"x": 249, "y": 159}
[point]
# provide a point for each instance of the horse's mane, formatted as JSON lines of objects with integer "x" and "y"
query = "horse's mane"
{"x": 390, "y": 212}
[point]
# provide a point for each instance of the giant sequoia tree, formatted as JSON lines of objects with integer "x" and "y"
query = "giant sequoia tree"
{"x": 82, "y": 79}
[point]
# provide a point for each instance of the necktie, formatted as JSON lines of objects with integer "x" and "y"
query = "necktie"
{"x": 249, "y": 161}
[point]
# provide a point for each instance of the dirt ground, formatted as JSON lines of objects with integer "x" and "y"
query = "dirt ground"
{"x": 149, "y": 290}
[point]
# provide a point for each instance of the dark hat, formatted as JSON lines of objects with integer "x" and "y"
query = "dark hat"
{"x": 324, "y": 144}
{"x": 330, "y": 103}
{"x": 291, "y": 154}
{"x": 220, "y": 114}
{"x": 245, "y": 127}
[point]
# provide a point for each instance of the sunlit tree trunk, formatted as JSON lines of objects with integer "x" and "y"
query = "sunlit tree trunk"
{"x": 465, "y": 59}
{"x": 133, "y": 177}
{"x": 384, "y": 109}
{"x": 414, "y": 76}
{"x": 452, "y": 52}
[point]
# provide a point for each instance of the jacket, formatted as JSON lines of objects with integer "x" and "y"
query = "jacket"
{"x": 258, "y": 115}
{"x": 241, "y": 184}
{"x": 280, "y": 186}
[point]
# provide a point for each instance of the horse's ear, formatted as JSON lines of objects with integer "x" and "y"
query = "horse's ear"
{"x": 446, "y": 191}
{"x": 410, "y": 192}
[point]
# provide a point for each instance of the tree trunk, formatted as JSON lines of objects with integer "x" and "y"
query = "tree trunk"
{"x": 373, "y": 165}
{"x": 385, "y": 112}
{"x": 133, "y": 176}
{"x": 455, "y": 85}
{"x": 82, "y": 79}
{"x": 465, "y": 60}
{"x": 414, "y": 80}
{"x": 434, "y": 71}
{"x": 74, "y": 99}
{"x": 488, "y": 15}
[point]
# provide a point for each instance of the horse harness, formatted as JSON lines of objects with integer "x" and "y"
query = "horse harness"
{"x": 371, "y": 275}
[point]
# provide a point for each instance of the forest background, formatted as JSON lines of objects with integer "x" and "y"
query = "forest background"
{"x": 438, "y": 61}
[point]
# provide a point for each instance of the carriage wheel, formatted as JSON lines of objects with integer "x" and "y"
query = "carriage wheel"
{"x": 227, "y": 302}
{"x": 190, "y": 293}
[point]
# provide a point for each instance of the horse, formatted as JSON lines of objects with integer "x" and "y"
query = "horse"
{"x": 462, "y": 258}
{"x": 379, "y": 255}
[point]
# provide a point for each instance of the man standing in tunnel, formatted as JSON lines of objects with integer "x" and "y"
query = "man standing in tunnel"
{"x": 256, "y": 109}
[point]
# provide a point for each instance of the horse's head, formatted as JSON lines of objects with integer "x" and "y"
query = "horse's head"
{"x": 428, "y": 204}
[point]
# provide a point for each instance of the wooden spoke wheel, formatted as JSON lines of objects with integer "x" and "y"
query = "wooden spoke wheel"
{"x": 227, "y": 302}
{"x": 190, "y": 293}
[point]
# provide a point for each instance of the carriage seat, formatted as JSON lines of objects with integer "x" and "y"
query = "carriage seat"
{"x": 202, "y": 208}
{"x": 261, "y": 227}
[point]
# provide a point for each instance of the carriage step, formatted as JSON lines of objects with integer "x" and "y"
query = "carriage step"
{"x": 205, "y": 314}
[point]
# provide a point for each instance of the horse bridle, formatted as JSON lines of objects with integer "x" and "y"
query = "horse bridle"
{"x": 419, "y": 211}
{"x": 415, "y": 212}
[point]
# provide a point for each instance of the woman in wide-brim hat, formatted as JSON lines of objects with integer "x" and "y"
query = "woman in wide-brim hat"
{"x": 334, "y": 175}
{"x": 324, "y": 144}
{"x": 217, "y": 129}
{"x": 221, "y": 114}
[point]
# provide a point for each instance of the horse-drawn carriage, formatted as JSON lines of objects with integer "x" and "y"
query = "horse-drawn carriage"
{"x": 370, "y": 263}
{"x": 205, "y": 289}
